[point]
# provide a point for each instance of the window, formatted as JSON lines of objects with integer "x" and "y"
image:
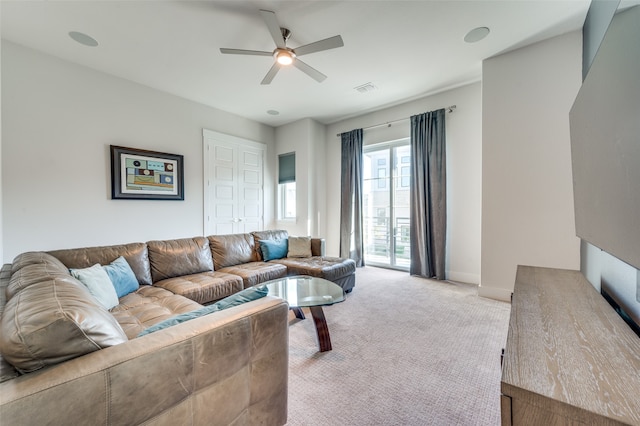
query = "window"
{"x": 381, "y": 215}
{"x": 287, "y": 186}
{"x": 405, "y": 174}
{"x": 386, "y": 205}
{"x": 382, "y": 181}
{"x": 287, "y": 200}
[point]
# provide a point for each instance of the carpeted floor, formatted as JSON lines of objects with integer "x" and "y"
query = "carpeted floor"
{"x": 406, "y": 351}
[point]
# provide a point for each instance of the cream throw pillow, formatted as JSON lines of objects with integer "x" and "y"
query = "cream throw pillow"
{"x": 299, "y": 247}
{"x": 99, "y": 284}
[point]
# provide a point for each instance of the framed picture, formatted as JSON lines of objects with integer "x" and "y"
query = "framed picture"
{"x": 137, "y": 174}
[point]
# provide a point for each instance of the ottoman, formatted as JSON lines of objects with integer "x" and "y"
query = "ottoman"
{"x": 338, "y": 270}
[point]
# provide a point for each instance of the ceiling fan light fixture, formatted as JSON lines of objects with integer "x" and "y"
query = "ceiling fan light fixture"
{"x": 284, "y": 57}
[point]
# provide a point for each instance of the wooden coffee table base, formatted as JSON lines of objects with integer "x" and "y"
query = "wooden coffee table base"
{"x": 302, "y": 291}
{"x": 324, "y": 340}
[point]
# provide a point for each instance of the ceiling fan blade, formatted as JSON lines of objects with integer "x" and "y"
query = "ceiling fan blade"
{"x": 272, "y": 73}
{"x": 270, "y": 19}
{"x": 311, "y": 72}
{"x": 245, "y": 52}
{"x": 326, "y": 44}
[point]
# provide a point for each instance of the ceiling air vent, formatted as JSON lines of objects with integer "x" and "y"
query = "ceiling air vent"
{"x": 367, "y": 87}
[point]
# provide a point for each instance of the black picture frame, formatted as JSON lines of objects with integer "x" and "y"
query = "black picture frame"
{"x": 138, "y": 174}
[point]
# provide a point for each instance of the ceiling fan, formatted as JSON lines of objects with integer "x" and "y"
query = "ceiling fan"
{"x": 285, "y": 55}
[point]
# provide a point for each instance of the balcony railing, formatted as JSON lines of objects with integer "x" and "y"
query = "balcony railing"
{"x": 378, "y": 236}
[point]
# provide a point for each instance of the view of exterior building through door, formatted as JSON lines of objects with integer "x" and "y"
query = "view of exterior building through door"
{"x": 387, "y": 171}
{"x": 233, "y": 184}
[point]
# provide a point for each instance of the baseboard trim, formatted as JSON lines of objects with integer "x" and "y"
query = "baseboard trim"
{"x": 463, "y": 277}
{"x": 495, "y": 293}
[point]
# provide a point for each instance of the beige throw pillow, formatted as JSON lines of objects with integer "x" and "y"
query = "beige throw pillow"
{"x": 299, "y": 247}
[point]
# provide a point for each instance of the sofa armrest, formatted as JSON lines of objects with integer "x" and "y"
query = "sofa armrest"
{"x": 7, "y": 372}
{"x": 228, "y": 367}
{"x": 317, "y": 247}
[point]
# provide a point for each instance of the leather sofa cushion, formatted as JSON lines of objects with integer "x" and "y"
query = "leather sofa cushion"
{"x": 256, "y": 272}
{"x": 175, "y": 258}
{"x": 233, "y": 249}
{"x": 7, "y": 372}
{"x": 53, "y": 320}
{"x": 28, "y": 268}
{"x": 236, "y": 299}
{"x": 317, "y": 247}
{"x": 204, "y": 287}
{"x": 136, "y": 255}
{"x": 317, "y": 244}
{"x": 35, "y": 258}
{"x": 329, "y": 268}
{"x": 147, "y": 306}
{"x": 277, "y": 234}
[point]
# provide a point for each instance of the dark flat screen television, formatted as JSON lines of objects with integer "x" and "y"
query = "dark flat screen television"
{"x": 605, "y": 151}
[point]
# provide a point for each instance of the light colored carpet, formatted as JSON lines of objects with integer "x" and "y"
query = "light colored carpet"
{"x": 406, "y": 351}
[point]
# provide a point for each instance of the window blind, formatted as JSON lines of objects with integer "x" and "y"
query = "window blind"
{"x": 287, "y": 168}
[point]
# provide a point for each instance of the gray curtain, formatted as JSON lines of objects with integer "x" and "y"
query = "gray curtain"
{"x": 351, "y": 198}
{"x": 428, "y": 199}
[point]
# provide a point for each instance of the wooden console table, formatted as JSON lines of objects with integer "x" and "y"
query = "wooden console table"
{"x": 569, "y": 357}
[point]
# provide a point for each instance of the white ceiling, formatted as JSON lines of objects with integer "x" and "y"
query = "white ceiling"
{"x": 407, "y": 49}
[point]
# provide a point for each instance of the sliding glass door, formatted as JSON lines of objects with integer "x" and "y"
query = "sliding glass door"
{"x": 386, "y": 204}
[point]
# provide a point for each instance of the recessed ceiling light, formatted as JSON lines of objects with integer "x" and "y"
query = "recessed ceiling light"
{"x": 83, "y": 39}
{"x": 273, "y": 112}
{"x": 476, "y": 34}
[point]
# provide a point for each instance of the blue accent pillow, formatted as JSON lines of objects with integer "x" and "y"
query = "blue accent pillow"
{"x": 122, "y": 276}
{"x": 244, "y": 296}
{"x": 274, "y": 249}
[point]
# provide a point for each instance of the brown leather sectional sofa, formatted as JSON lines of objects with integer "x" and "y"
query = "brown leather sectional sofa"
{"x": 78, "y": 363}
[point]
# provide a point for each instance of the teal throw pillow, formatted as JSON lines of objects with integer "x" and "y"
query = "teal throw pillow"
{"x": 97, "y": 281}
{"x": 244, "y": 296}
{"x": 122, "y": 276}
{"x": 274, "y": 249}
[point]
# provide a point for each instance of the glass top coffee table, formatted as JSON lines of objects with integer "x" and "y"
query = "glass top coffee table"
{"x": 303, "y": 291}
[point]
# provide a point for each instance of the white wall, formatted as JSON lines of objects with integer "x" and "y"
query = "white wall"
{"x": 464, "y": 161}
{"x": 294, "y": 137}
{"x": 58, "y": 122}
{"x": 527, "y": 193}
{"x": 317, "y": 162}
{"x": 306, "y": 138}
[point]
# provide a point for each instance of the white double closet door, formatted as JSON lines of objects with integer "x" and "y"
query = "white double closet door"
{"x": 233, "y": 184}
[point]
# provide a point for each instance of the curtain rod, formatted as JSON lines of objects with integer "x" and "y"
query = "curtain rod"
{"x": 389, "y": 123}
